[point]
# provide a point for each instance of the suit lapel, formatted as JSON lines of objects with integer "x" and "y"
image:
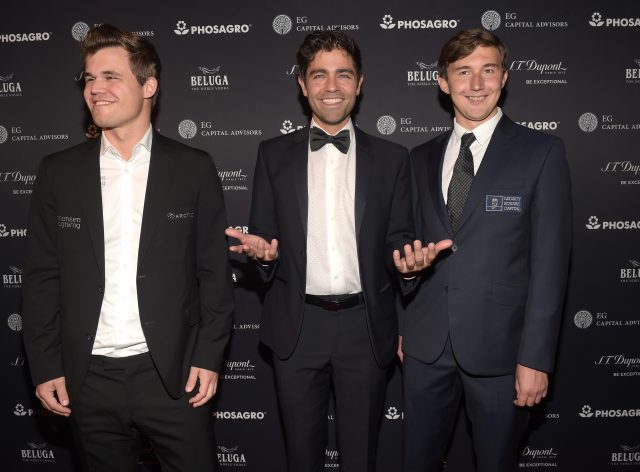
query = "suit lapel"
{"x": 434, "y": 172}
{"x": 159, "y": 182}
{"x": 493, "y": 162}
{"x": 90, "y": 194}
{"x": 364, "y": 167}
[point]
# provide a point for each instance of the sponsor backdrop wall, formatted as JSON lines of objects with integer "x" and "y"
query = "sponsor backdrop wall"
{"x": 229, "y": 82}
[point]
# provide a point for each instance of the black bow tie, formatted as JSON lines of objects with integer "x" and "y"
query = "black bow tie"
{"x": 318, "y": 138}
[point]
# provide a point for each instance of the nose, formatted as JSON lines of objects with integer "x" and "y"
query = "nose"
{"x": 331, "y": 84}
{"x": 477, "y": 82}
{"x": 94, "y": 86}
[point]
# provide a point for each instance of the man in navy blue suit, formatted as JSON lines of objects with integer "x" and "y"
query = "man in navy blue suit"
{"x": 482, "y": 322}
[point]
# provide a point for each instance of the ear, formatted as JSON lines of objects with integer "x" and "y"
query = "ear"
{"x": 303, "y": 87}
{"x": 444, "y": 85}
{"x": 150, "y": 87}
{"x": 360, "y": 80}
{"x": 505, "y": 75}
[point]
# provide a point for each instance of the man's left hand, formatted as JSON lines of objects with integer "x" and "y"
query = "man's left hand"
{"x": 531, "y": 386}
{"x": 208, "y": 381}
{"x": 418, "y": 258}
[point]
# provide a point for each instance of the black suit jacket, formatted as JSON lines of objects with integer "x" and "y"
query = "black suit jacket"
{"x": 499, "y": 295}
{"x": 383, "y": 222}
{"x": 184, "y": 282}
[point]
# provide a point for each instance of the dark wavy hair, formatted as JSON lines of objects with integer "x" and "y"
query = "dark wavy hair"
{"x": 327, "y": 41}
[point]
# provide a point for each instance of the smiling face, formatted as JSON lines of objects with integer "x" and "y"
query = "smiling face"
{"x": 331, "y": 86}
{"x": 113, "y": 95}
{"x": 475, "y": 83}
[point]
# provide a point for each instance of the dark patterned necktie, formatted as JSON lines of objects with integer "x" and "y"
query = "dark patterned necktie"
{"x": 318, "y": 138}
{"x": 460, "y": 181}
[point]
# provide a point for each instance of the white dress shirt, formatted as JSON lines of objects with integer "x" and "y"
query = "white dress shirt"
{"x": 124, "y": 184}
{"x": 332, "y": 253}
{"x": 483, "y": 135}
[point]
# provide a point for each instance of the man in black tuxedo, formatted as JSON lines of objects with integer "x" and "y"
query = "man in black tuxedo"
{"x": 484, "y": 319}
{"x": 127, "y": 286}
{"x": 330, "y": 204}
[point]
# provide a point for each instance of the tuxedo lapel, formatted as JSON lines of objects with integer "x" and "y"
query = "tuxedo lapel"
{"x": 493, "y": 162}
{"x": 159, "y": 181}
{"x": 90, "y": 194}
{"x": 300, "y": 153}
{"x": 364, "y": 167}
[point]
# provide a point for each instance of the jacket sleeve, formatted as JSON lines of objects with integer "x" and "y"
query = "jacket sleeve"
{"x": 213, "y": 272}
{"x": 551, "y": 234}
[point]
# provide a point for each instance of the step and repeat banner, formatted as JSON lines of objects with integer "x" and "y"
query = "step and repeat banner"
{"x": 228, "y": 82}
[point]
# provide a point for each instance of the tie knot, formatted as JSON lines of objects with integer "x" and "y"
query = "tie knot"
{"x": 318, "y": 138}
{"x": 466, "y": 140}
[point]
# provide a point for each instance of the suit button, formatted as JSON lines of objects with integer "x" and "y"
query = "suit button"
{"x": 454, "y": 248}
{"x": 100, "y": 289}
{"x": 446, "y": 288}
{"x": 90, "y": 337}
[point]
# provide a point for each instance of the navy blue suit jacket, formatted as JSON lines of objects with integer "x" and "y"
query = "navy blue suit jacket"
{"x": 499, "y": 293}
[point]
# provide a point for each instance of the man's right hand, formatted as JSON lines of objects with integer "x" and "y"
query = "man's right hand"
{"x": 54, "y": 397}
{"x": 253, "y": 246}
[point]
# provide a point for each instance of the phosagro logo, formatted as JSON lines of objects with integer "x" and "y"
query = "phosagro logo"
{"x": 593, "y": 223}
{"x": 587, "y": 412}
{"x": 4, "y": 134}
{"x": 289, "y": 127}
{"x": 389, "y": 23}
{"x": 24, "y": 37}
{"x": 392, "y": 413}
{"x": 239, "y": 415}
{"x": 182, "y": 29}
{"x": 13, "y": 232}
{"x": 597, "y": 20}
{"x": 540, "y": 125}
{"x": 20, "y": 410}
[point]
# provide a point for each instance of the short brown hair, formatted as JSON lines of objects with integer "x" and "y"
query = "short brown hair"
{"x": 464, "y": 43}
{"x": 143, "y": 57}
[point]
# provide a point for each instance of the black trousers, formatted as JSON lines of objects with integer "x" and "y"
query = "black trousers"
{"x": 333, "y": 350}
{"x": 432, "y": 395}
{"x": 124, "y": 398}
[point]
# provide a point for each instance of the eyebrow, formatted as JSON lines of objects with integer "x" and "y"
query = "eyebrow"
{"x": 103, "y": 73}
{"x": 339, "y": 71}
{"x": 490, "y": 64}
